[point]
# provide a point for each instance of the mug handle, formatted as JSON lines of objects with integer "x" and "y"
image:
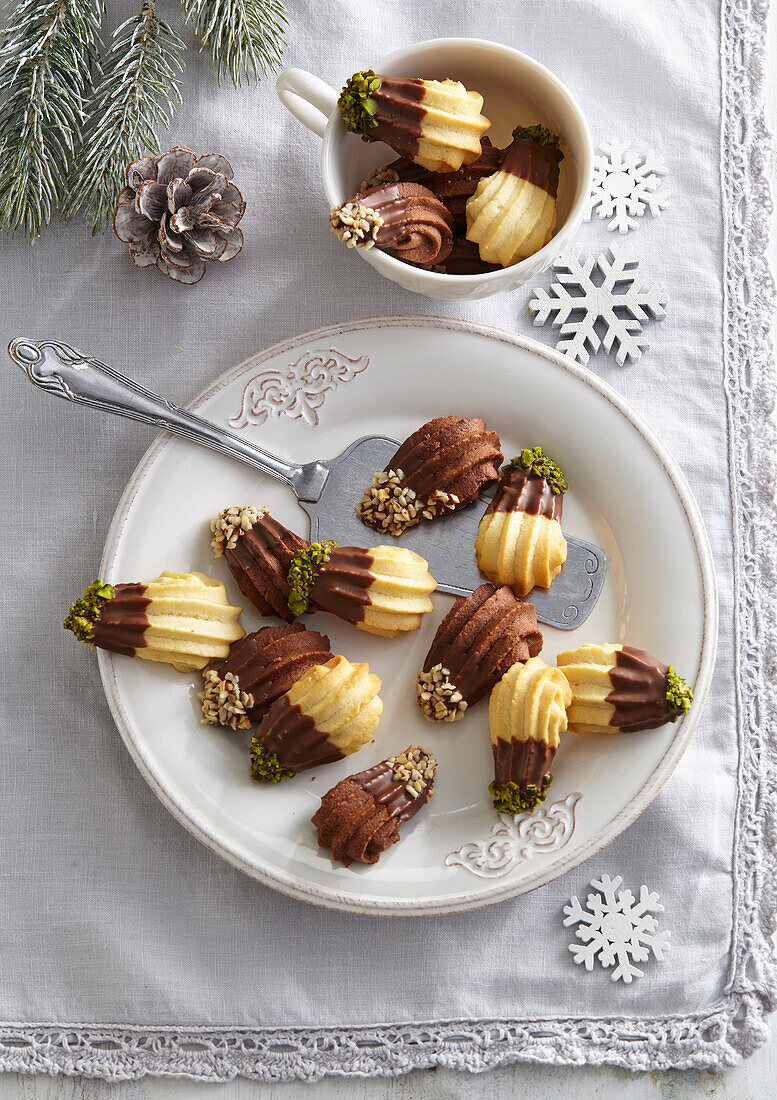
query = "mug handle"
{"x": 309, "y": 99}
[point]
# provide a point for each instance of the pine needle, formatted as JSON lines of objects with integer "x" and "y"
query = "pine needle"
{"x": 47, "y": 50}
{"x": 242, "y": 36}
{"x": 137, "y": 94}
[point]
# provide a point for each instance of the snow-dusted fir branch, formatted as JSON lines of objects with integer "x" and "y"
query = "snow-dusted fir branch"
{"x": 243, "y": 37}
{"x": 47, "y": 51}
{"x": 137, "y": 94}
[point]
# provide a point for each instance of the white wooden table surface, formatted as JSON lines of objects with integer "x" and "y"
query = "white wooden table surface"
{"x": 756, "y": 1079}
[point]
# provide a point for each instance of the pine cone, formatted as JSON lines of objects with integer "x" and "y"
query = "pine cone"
{"x": 178, "y": 211}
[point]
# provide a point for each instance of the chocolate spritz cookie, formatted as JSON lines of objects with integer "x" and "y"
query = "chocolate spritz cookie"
{"x": 526, "y": 713}
{"x": 620, "y": 689}
{"x": 520, "y": 542}
{"x": 360, "y": 817}
{"x": 258, "y": 551}
{"x": 464, "y": 259}
{"x": 451, "y": 188}
{"x": 181, "y": 619}
{"x": 442, "y": 466}
{"x": 435, "y": 123}
{"x": 403, "y": 218}
{"x": 481, "y": 637}
{"x": 259, "y": 669}
{"x": 384, "y": 590}
{"x": 400, "y": 170}
{"x": 512, "y": 214}
{"x": 330, "y": 712}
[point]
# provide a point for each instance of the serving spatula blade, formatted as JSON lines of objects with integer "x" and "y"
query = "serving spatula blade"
{"x": 448, "y": 544}
{"x": 328, "y": 491}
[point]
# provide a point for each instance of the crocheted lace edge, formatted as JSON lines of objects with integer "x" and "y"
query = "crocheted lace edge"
{"x": 115, "y": 1053}
{"x": 747, "y": 153}
{"x": 736, "y": 1027}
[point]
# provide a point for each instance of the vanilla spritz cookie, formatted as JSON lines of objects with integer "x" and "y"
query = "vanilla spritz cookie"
{"x": 526, "y": 713}
{"x": 330, "y": 712}
{"x": 435, "y": 123}
{"x": 384, "y": 590}
{"x": 520, "y": 542}
{"x": 180, "y": 619}
{"x": 512, "y": 214}
{"x": 619, "y": 689}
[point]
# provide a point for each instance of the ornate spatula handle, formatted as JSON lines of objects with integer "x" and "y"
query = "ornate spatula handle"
{"x": 66, "y": 372}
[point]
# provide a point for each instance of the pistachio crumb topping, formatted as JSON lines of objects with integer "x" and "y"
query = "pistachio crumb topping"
{"x": 265, "y": 766}
{"x": 510, "y": 798}
{"x": 679, "y": 694}
{"x": 541, "y": 134}
{"x": 357, "y": 104}
{"x": 303, "y": 571}
{"x": 392, "y": 507}
{"x": 415, "y": 767}
{"x": 438, "y": 697}
{"x": 537, "y": 462}
{"x": 355, "y": 224}
{"x": 223, "y": 703}
{"x": 86, "y": 611}
{"x": 230, "y": 524}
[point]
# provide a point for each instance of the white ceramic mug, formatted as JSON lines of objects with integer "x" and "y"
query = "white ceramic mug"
{"x": 516, "y": 89}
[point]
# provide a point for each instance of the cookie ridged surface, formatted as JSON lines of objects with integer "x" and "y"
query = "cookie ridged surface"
{"x": 400, "y": 592}
{"x": 354, "y": 825}
{"x": 615, "y": 689}
{"x": 450, "y": 453}
{"x": 437, "y": 124}
{"x": 384, "y": 590}
{"x": 452, "y": 188}
{"x": 342, "y": 583}
{"x": 509, "y": 219}
{"x": 360, "y": 817}
{"x": 482, "y": 636}
{"x": 520, "y": 542}
{"x": 415, "y": 224}
{"x": 181, "y": 619}
{"x": 520, "y": 550}
{"x": 330, "y": 712}
{"x": 269, "y": 661}
{"x": 512, "y": 214}
{"x": 259, "y": 561}
{"x": 526, "y": 714}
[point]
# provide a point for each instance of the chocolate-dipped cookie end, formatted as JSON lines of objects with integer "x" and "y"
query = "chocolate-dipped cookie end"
{"x": 85, "y": 611}
{"x": 361, "y": 816}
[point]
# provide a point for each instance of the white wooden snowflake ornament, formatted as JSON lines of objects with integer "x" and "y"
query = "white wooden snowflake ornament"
{"x": 616, "y": 929}
{"x": 625, "y": 186}
{"x": 597, "y": 302}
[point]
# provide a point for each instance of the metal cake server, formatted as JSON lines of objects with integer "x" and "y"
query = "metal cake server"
{"x": 328, "y": 491}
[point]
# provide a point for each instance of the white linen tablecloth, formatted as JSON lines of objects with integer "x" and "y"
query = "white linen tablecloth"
{"x": 125, "y": 946}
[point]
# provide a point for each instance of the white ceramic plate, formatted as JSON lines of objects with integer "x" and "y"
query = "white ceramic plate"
{"x": 307, "y": 398}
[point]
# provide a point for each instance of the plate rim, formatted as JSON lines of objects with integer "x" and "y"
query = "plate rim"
{"x": 491, "y": 894}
